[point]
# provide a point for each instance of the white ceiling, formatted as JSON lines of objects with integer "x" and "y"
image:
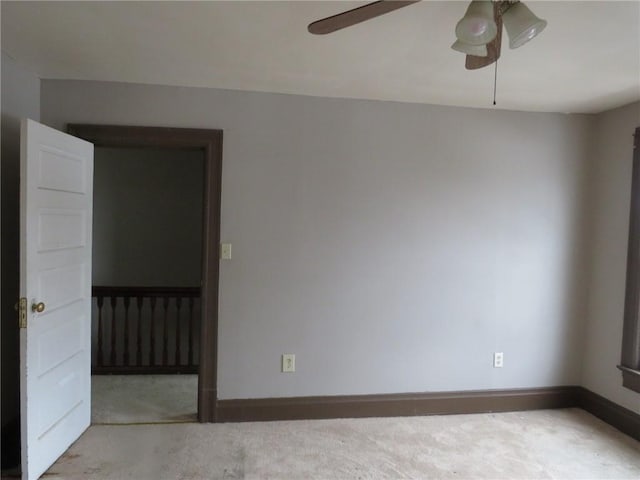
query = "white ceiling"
{"x": 587, "y": 59}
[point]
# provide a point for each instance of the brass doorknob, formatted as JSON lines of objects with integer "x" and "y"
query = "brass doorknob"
{"x": 37, "y": 307}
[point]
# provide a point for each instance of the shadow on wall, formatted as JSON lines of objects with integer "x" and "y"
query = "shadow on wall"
{"x": 20, "y": 99}
{"x": 11, "y": 444}
{"x": 10, "y": 291}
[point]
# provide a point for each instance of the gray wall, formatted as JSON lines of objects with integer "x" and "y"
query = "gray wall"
{"x": 147, "y": 217}
{"x": 610, "y": 203}
{"x": 392, "y": 247}
{"x": 20, "y": 98}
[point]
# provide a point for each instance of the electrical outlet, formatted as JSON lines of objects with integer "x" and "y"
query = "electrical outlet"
{"x": 288, "y": 362}
{"x": 498, "y": 360}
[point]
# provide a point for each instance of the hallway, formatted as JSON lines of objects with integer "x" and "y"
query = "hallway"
{"x": 124, "y": 399}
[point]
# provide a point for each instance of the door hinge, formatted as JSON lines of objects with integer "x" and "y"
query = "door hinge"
{"x": 22, "y": 313}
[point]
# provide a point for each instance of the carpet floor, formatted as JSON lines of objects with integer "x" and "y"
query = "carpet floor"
{"x": 556, "y": 444}
{"x": 143, "y": 398}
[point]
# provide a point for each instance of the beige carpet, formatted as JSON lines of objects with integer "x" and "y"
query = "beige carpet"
{"x": 143, "y": 398}
{"x": 559, "y": 444}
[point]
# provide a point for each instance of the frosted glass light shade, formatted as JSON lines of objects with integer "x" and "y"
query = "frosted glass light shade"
{"x": 521, "y": 24}
{"x": 477, "y": 27}
{"x": 476, "y": 50}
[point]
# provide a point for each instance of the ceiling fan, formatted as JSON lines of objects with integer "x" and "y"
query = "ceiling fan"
{"x": 479, "y": 32}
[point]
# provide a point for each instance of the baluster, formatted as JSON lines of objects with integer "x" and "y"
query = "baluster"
{"x": 100, "y": 339}
{"x": 178, "y": 306}
{"x": 190, "y": 331}
{"x": 165, "y": 333}
{"x": 139, "y": 332}
{"x": 152, "y": 346}
{"x": 114, "y": 302}
{"x": 131, "y": 353}
{"x": 125, "y": 358}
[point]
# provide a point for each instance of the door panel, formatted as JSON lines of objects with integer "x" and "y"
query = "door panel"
{"x": 61, "y": 286}
{"x": 62, "y": 171}
{"x": 56, "y": 180}
{"x": 60, "y": 343}
{"x": 61, "y": 229}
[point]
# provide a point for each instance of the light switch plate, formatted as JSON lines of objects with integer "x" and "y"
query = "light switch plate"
{"x": 225, "y": 251}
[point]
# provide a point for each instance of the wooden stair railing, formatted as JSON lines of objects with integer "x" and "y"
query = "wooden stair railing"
{"x": 145, "y": 330}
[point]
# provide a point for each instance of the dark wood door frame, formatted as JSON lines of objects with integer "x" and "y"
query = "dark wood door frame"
{"x": 210, "y": 141}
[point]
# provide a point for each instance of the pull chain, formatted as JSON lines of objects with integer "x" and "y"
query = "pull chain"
{"x": 495, "y": 82}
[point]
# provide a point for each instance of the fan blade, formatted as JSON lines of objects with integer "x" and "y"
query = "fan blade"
{"x": 493, "y": 47}
{"x": 357, "y": 15}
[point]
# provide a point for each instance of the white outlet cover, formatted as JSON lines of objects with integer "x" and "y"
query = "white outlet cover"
{"x": 498, "y": 360}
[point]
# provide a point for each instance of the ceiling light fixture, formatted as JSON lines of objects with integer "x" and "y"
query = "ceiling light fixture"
{"x": 477, "y": 26}
{"x": 481, "y": 24}
{"x": 521, "y": 24}
{"x": 476, "y": 50}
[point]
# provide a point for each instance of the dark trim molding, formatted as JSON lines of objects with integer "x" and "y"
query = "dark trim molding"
{"x": 210, "y": 142}
{"x": 395, "y": 405}
{"x": 145, "y": 370}
{"x": 619, "y": 417}
{"x": 445, "y": 403}
{"x": 630, "y": 378}
{"x": 132, "y": 292}
{"x": 630, "y": 355}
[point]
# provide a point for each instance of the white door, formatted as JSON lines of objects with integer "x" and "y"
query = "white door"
{"x": 56, "y": 186}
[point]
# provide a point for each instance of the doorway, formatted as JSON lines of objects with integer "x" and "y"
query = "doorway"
{"x": 206, "y": 144}
{"x": 146, "y": 274}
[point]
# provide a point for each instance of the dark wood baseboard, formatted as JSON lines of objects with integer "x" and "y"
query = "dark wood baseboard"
{"x": 619, "y": 417}
{"x": 395, "y": 405}
{"x": 444, "y": 403}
